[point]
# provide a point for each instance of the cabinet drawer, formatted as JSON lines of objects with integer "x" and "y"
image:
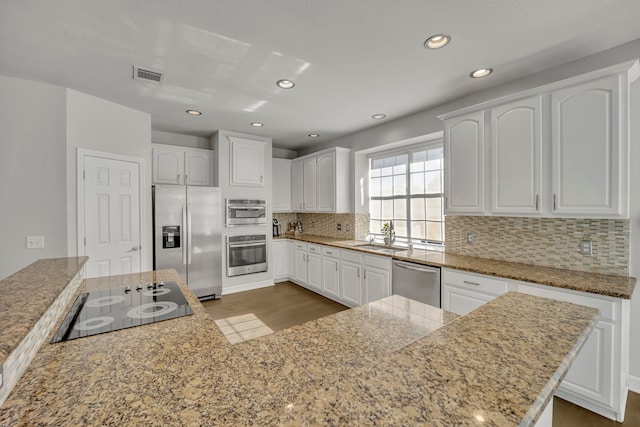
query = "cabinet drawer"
{"x": 314, "y": 249}
{"x": 301, "y": 246}
{"x": 330, "y": 252}
{"x": 475, "y": 282}
{"x": 352, "y": 256}
{"x": 378, "y": 262}
{"x": 607, "y": 308}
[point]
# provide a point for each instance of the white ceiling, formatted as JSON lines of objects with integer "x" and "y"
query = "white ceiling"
{"x": 349, "y": 59}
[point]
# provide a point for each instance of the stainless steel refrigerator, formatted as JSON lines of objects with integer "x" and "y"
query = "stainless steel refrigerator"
{"x": 187, "y": 224}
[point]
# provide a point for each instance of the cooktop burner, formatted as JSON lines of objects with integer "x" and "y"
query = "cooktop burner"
{"x": 106, "y": 311}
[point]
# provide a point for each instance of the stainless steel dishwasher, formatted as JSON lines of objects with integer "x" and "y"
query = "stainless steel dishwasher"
{"x": 416, "y": 281}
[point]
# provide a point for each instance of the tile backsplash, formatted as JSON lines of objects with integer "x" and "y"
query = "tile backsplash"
{"x": 321, "y": 224}
{"x": 549, "y": 242}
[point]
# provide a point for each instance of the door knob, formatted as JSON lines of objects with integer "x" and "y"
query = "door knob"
{"x": 133, "y": 249}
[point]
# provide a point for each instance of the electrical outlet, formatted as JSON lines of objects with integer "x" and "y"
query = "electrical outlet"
{"x": 339, "y": 227}
{"x": 348, "y": 227}
{"x": 35, "y": 242}
{"x": 471, "y": 238}
{"x": 586, "y": 247}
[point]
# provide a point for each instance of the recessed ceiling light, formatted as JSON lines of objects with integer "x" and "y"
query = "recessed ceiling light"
{"x": 314, "y": 135}
{"x": 378, "y": 116}
{"x": 194, "y": 112}
{"x": 481, "y": 72}
{"x": 285, "y": 84}
{"x": 257, "y": 124}
{"x": 437, "y": 41}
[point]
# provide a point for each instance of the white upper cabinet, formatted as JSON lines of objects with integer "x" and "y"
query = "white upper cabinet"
{"x": 281, "y": 185}
{"x": 247, "y": 162}
{"x": 326, "y": 182}
{"x": 297, "y": 186}
{"x": 561, "y": 150}
{"x": 309, "y": 184}
{"x": 182, "y": 166}
{"x": 589, "y": 171}
{"x": 464, "y": 164}
{"x": 321, "y": 182}
{"x": 516, "y": 162}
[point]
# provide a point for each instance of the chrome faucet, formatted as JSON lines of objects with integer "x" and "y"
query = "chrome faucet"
{"x": 392, "y": 235}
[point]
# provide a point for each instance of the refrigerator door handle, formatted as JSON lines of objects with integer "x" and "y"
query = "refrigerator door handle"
{"x": 184, "y": 231}
{"x": 189, "y": 249}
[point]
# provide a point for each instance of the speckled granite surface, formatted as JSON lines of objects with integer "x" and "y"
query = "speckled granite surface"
{"x": 391, "y": 362}
{"x": 613, "y": 286}
{"x": 27, "y": 294}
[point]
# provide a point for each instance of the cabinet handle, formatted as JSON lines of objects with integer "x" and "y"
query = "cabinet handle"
{"x": 261, "y": 176}
{"x": 186, "y": 178}
{"x": 446, "y": 202}
{"x": 555, "y": 204}
{"x": 178, "y": 178}
{"x": 365, "y": 273}
{"x": 537, "y": 201}
{"x": 358, "y": 269}
{"x": 471, "y": 283}
{"x": 336, "y": 266}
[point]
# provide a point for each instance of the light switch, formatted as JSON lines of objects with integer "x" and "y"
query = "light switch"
{"x": 35, "y": 242}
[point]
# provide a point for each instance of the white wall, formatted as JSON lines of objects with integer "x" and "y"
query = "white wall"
{"x": 170, "y": 138}
{"x": 283, "y": 153}
{"x": 96, "y": 124}
{"x": 32, "y": 172}
{"x": 426, "y": 122}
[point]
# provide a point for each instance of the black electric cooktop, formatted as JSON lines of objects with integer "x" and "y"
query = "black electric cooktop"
{"x": 110, "y": 310}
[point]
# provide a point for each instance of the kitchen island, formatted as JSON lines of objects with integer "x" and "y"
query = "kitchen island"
{"x": 390, "y": 362}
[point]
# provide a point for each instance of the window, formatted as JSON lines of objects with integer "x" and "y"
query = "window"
{"x": 406, "y": 187}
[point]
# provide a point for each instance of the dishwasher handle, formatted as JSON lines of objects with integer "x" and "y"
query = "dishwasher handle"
{"x": 413, "y": 268}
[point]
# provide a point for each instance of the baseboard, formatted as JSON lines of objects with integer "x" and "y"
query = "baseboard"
{"x": 247, "y": 287}
{"x": 633, "y": 383}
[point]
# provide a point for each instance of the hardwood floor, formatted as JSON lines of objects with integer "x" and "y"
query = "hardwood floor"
{"x": 287, "y": 304}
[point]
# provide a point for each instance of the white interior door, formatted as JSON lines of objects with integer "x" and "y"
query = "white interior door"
{"x": 111, "y": 216}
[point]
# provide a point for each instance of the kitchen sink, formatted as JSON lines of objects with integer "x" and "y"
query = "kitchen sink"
{"x": 380, "y": 248}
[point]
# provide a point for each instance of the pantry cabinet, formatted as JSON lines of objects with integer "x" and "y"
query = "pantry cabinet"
{"x": 281, "y": 172}
{"x": 516, "y": 161}
{"x": 247, "y": 162}
{"x": 464, "y": 164}
{"x": 182, "y": 166}
{"x": 320, "y": 182}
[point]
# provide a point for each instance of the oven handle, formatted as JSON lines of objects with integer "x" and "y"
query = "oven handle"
{"x": 184, "y": 231}
{"x": 247, "y": 208}
{"x": 245, "y": 245}
{"x": 189, "y": 250}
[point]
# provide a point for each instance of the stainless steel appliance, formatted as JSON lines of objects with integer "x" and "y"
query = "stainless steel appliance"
{"x": 276, "y": 228}
{"x": 114, "y": 309}
{"x": 187, "y": 236}
{"x": 416, "y": 281}
{"x": 245, "y": 212}
{"x": 246, "y": 254}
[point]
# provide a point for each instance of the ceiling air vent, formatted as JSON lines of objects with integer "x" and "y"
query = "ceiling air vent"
{"x": 146, "y": 75}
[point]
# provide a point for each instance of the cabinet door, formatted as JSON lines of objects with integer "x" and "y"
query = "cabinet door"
{"x": 464, "y": 163}
{"x": 281, "y": 185}
{"x": 280, "y": 257}
{"x": 300, "y": 274}
{"x": 168, "y": 166}
{"x": 351, "y": 292}
{"x": 297, "y": 186}
{"x": 198, "y": 167}
{"x": 309, "y": 184}
{"x": 326, "y": 182}
{"x": 462, "y": 301}
{"x": 586, "y": 149}
{"x": 376, "y": 284}
{"x": 247, "y": 162}
{"x": 516, "y": 157}
{"x": 314, "y": 271}
{"x": 291, "y": 259}
{"x": 331, "y": 276}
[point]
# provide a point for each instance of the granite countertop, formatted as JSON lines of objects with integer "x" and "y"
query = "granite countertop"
{"x": 27, "y": 294}
{"x": 602, "y": 284}
{"x": 392, "y": 362}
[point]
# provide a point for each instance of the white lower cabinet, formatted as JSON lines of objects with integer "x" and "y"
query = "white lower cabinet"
{"x": 351, "y": 277}
{"x": 300, "y": 264}
{"x": 377, "y": 278}
{"x": 280, "y": 258}
{"x": 597, "y": 379}
{"x": 314, "y": 267}
{"x": 463, "y": 292}
{"x": 331, "y": 272}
